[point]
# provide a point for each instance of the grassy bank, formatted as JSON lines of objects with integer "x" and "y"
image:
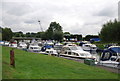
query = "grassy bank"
{"x": 38, "y": 66}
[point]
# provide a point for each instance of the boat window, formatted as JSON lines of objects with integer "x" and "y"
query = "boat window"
{"x": 76, "y": 54}
{"x": 73, "y": 48}
{"x": 47, "y": 51}
{"x": 31, "y": 47}
{"x": 65, "y": 52}
{"x": 87, "y": 45}
{"x": 69, "y": 53}
{"x": 114, "y": 54}
{"x": 35, "y": 47}
{"x": 51, "y": 51}
{"x": 113, "y": 59}
{"x": 116, "y": 49}
{"x": 118, "y": 60}
{"x": 107, "y": 55}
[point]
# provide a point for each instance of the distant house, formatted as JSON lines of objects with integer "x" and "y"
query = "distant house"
{"x": 95, "y": 39}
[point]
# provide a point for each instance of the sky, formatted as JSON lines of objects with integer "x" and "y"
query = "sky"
{"x": 75, "y": 16}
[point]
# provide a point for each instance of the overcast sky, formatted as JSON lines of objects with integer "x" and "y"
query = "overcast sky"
{"x": 75, "y": 16}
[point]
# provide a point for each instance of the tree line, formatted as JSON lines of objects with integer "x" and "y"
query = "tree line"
{"x": 110, "y": 32}
{"x": 54, "y": 32}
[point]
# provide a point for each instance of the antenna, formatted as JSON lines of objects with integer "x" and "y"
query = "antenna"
{"x": 40, "y": 25}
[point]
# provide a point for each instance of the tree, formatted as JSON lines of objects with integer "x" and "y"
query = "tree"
{"x": 67, "y": 35}
{"x": 54, "y": 30}
{"x": 58, "y": 35}
{"x": 18, "y": 34}
{"x": 110, "y": 32}
{"x": 79, "y": 37}
{"x": 7, "y": 34}
{"x": 28, "y": 34}
{"x": 88, "y": 37}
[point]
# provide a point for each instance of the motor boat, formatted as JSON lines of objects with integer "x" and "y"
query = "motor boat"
{"x": 51, "y": 51}
{"x": 34, "y": 48}
{"x": 1, "y": 42}
{"x": 58, "y": 47}
{"x": 13, "y": 45}
{"x": 89, "y": 47}
{"x": 113, "y": 62}
{"x": 22, "y": 45}
{"x": 6, "y": 43}
{"x": 75, "y": 51}
{"x": 111, "y": 57}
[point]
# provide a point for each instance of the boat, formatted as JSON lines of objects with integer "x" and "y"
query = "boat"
{"x": 6, "y": 43}
{"x": 113, "y": 62}
{"x": 13, "y": 45}
{"x": 111, "y": 57}
{"x": 75, "y": 51}
{"x": 51, "y": 51}
{"x": 34, "y": 48}
{"x": 58, "y": 47}
{"x": 22, "y": 45}
{"x": 1, "y": 42}
{"x": 89, "y": 47}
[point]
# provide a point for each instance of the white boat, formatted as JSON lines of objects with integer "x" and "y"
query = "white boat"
{"x": 75, "y": 51}
{"x": 58, "y": 47}
{"x": 34, "y": 48}
{"x": 22, "y": 45}
{"x": 89, "y": 47}
{"x": 1, "y": 42}
{"x": 111, "y": 57}
{"x": 6, "y": 43}
{"x": 51, "y": 51}
{"x": 13, "y": 45}
{"x": 113, "y": 62}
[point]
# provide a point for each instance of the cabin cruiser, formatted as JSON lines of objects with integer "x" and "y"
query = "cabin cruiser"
{"x": 34, "y": 48}
{"x": 6, "y": 43}
{"x": 22, "y": 45}
{"x": 51, "y": 51}
{"x": 75, "y": 51}
{"x": 1, "y": 42}
{"x": 111, "y": 57}
{"x": 89, "y": 47}
{"x": 58, "y": 47}
{"x": 14, "y": 45}
{"x": 113, "y": 62}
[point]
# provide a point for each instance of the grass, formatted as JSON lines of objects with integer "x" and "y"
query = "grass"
{"x": 38, "y": 66}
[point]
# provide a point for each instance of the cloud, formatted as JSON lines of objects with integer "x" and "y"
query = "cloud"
{"x": 107, "y": 11}
{"x": 76, "y": 16}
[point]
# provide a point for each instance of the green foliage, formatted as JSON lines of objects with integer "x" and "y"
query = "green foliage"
{"x": 18, "y": 34}
{"x": 0, "y": 36}
{"x": 54, "y": 30}
{"x": 6, "y": 34}
{"x": 110, "y": 32}
{"x": 39, "y": 66}
{"x": 88, "y": 37}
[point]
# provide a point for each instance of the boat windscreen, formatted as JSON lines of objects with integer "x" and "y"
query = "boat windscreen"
{"x": 75, "y": 48}
{"x": 116, "y": 49}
